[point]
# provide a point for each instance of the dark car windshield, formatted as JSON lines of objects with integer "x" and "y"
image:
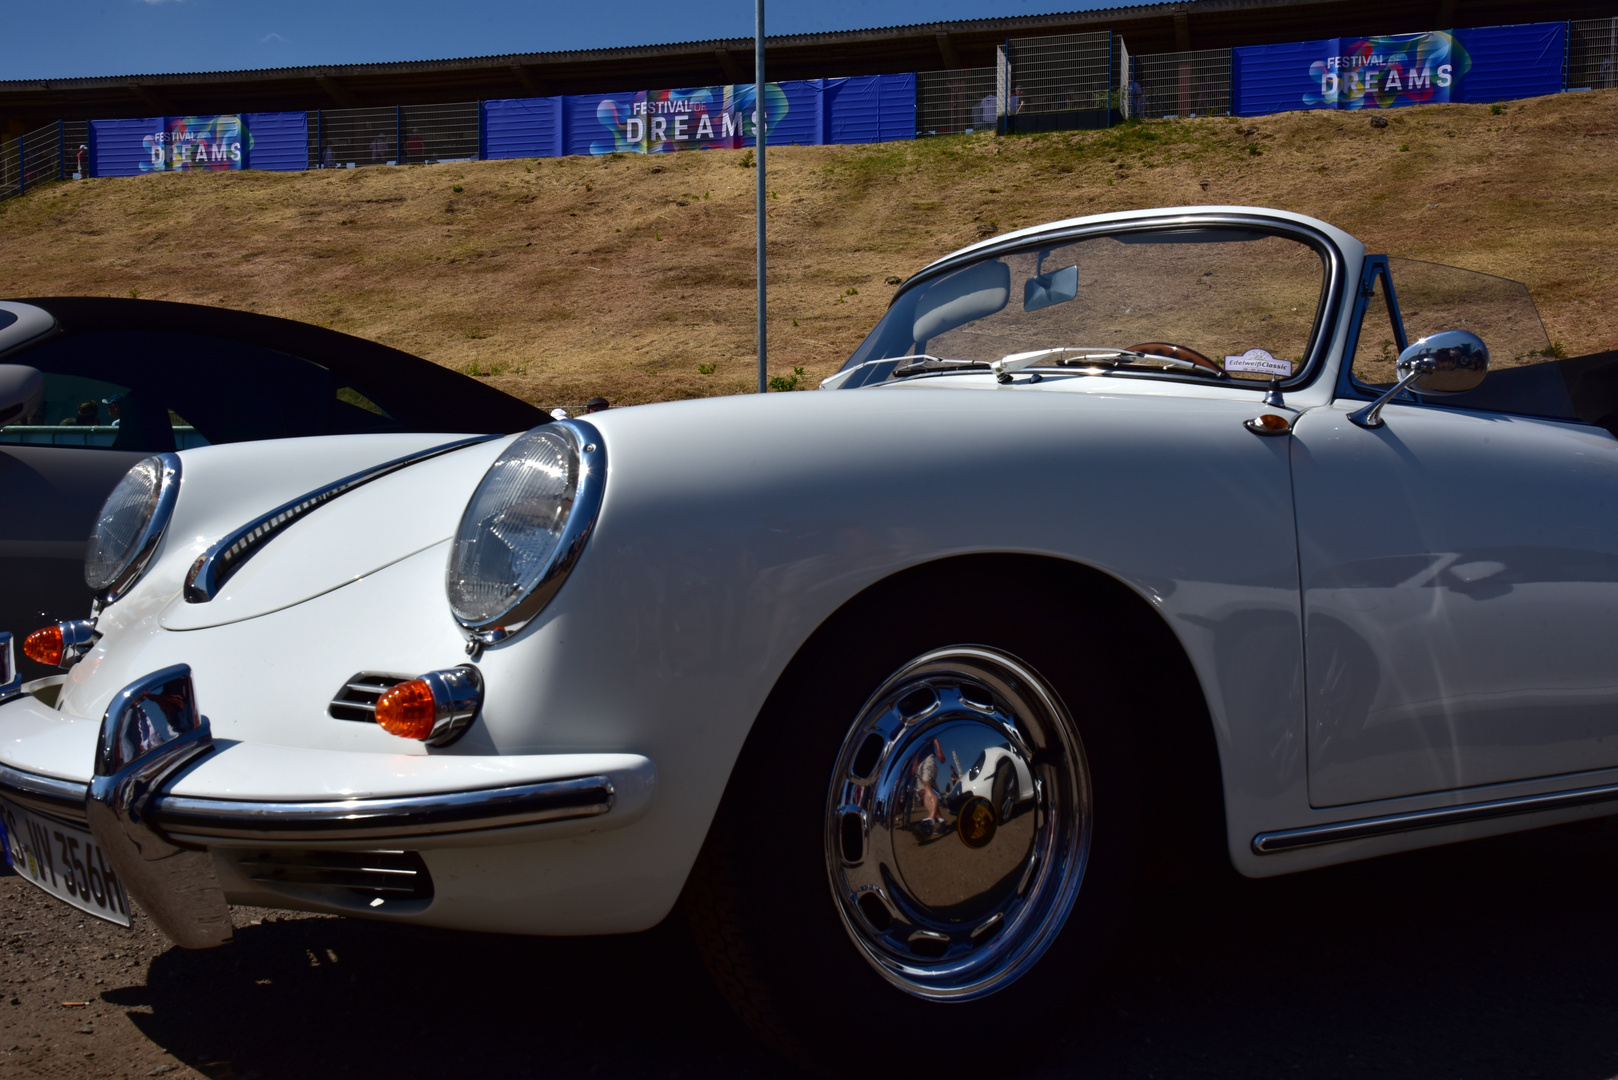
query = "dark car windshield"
{"x": 1246, "y": 300}
{"x": 154, "y": 390}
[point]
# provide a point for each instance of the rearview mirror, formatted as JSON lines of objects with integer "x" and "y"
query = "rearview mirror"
{"x": 22, "y": 391}
{"x": 1057, "y": 287}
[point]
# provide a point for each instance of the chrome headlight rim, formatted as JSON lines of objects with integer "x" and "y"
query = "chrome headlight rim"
{"x": 592, "y": 479}
{"x": 114, "y": 586}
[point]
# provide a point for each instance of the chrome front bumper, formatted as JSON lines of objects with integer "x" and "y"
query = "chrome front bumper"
{"x": 158, "y": 839}
{"x": 204, "y": 821}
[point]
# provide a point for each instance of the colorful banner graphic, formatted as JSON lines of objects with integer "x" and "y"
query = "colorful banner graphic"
{"x": 699, "y": 118}
{"x": 1475, "y": 64}
{"x": 1383, "y": 72}
{"x": 195, "y": 143}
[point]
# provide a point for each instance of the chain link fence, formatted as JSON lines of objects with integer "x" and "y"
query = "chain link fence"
{"x": 350, "y": 138}
{"x": 1193, "y": 83}
{"x": 955, "y": 102}
{"x": 1060, "y": 82}
{"x": 54, "y": 152}
{"x": 440, "y": 132}
{"x": 1592, "y": 54}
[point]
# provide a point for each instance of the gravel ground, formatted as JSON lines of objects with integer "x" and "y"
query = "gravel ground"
{"x": 1490, "y": 959}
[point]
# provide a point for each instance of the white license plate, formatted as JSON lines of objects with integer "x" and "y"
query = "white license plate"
{"x": 65, "y": 861}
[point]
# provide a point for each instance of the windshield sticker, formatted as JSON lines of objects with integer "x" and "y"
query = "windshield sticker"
{"x": 1258, "y": 360}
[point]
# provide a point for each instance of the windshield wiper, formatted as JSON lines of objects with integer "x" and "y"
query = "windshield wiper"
{"x": 922, "y": 362}
{"x": 1084, "y": 356}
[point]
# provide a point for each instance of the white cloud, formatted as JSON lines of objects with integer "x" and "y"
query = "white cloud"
{"x": 266, "y": 37}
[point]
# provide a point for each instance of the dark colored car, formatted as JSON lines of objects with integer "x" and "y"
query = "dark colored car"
{"x": 128, "y": 378}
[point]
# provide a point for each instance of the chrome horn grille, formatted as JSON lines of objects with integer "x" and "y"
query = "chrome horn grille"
{"x": 369, "y": 879}
{"x": 357, "y": 699}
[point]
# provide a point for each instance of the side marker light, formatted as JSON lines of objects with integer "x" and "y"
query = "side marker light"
{"x": 61, "y": 644}
{"x": 1268, "y": 424}
{"x": 435, "y": 708}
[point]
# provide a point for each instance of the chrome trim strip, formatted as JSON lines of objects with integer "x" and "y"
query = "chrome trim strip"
{"x": 195, "y": 820}
{"x": 402, "y": 817}
{"x": 1270, "y": 843}
{"x": 214, "y": 566}
{"x": 46, "y": 794}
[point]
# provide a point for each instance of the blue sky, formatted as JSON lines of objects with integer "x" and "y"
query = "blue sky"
{"x": 64, "y": 38}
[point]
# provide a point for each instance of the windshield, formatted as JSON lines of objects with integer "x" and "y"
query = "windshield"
{"x": 1203, "y": 301}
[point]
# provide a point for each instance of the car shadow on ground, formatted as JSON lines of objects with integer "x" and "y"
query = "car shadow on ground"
{"x": 1489, "y": 959}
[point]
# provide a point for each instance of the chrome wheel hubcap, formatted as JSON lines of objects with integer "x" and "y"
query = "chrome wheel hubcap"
{"x": 958, "y": 823}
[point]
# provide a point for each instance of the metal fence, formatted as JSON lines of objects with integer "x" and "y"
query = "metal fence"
{"x": 1181, "y": 84}
{"x": 349, "y": 138}
{"x": 953, "y": 102}
{"x": 1592, "y": 54}
{"x": 54, "y": 152}
{"x": 1060, "y": 82}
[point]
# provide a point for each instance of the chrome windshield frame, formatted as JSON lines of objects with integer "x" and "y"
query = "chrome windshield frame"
{"x": 1327, "y": 312}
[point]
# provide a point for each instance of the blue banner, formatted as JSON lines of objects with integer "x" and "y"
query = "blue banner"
{"x": 1513, "y": 61}
{"x": 196, "y": 143}
{"x": 276, "y": 140}
{"x": 874, "y": 108}
{"x": 1485, "y": 64}
{"x": 523, "y": 127}
{"x": 868, "y": 109}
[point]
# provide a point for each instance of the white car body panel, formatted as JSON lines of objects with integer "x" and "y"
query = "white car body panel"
{"x": 1460, "y": 622}
{"x": 731, "y": 529}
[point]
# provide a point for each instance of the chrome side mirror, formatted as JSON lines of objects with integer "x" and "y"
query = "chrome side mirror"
{"x": 1448, "y": 362}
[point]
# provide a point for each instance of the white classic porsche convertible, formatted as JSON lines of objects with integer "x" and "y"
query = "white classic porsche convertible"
{"x": 1145, "y": 531}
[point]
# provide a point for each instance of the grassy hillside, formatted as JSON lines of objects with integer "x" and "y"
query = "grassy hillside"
{"x": 632, "y": 276}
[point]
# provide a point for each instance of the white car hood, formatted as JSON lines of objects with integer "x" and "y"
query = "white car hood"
{"x": 350, "y": 538}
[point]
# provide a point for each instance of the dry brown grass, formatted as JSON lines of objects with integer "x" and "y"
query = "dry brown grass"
{"x": 561, "y": 278}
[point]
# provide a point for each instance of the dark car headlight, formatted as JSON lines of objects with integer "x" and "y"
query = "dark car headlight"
{"x": 130, "y": 524}
{"x": 525, "y": 525}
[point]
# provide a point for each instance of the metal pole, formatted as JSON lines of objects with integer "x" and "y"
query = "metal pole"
{"x": 61, "y": 155}
{"x": 759, "y": 127}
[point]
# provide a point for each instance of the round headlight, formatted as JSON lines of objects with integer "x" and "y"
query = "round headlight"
{"x": 130, "y": 524}
{"x": 525, "y": 525}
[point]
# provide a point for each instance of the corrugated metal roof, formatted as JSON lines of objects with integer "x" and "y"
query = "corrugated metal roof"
{"x": 573, "y": 56}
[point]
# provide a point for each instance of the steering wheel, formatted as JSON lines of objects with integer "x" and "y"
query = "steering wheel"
{"x": 1167, "y": 351}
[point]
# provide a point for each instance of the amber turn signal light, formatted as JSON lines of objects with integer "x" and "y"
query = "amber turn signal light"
{"x": 44, "y": 646}
{"x": 407, "y": 710}
{"x": 60, "y": 645}
{"x": 1268, "y": 424}
{"x": 434, "y": 708}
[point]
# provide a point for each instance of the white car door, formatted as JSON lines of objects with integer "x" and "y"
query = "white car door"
{"x": 1459, "y": 569}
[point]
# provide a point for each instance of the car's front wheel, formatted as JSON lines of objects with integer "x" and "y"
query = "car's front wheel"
{"x": 857, "y": 880}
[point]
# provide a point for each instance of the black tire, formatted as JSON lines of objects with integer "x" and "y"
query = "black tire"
{"x": 760, "y": 901}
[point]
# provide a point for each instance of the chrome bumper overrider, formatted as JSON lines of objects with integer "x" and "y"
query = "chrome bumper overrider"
{"x": 157, "y": 840}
